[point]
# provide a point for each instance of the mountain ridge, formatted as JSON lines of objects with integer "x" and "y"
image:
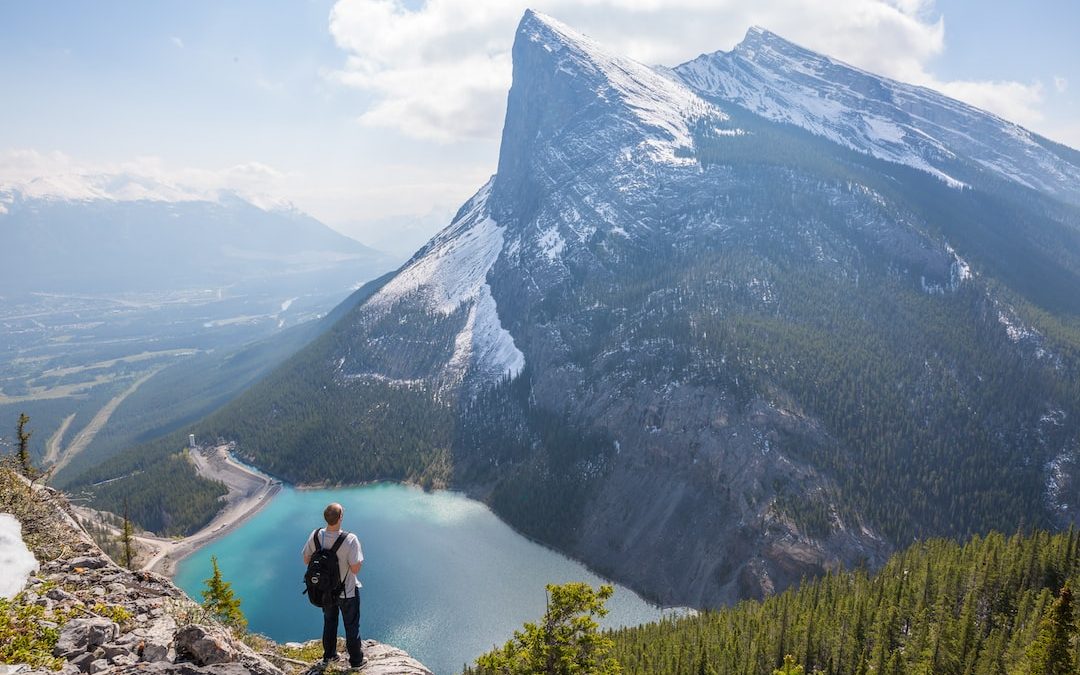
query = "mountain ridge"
{"x": 908, "y": 124}
{"x": 63, "y": 242}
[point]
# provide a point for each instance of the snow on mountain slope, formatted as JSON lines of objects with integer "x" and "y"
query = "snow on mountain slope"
{"x": 452, "y": 271}
{"x": 890, "y": 120}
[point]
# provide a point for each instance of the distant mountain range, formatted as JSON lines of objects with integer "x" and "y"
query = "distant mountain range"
{"x": 106, "y": 245}
{"x": 713, "y": 328}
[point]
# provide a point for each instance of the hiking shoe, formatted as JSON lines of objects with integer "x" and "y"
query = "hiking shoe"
{"x": 357, "y": 666}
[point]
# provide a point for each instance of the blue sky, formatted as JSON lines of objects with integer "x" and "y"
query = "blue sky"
{"x": 370, "y": 113}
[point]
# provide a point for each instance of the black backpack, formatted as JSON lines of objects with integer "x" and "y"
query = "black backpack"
{"x": 321, "y": 582}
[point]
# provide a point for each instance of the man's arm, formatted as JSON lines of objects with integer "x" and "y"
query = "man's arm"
{"x": 357, "y": 554}
{"x": 308, "y": 550}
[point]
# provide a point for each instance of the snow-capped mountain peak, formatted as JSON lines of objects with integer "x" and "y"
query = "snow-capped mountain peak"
{"x": 662, "y": 105}
{"x": 890, "y": 120}
{"x": 573, "y": 107}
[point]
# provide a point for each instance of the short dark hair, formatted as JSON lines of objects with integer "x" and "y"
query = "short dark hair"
{"x": 332, "y": 514}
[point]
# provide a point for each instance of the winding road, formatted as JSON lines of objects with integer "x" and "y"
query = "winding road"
{"x": 249, "y": 491}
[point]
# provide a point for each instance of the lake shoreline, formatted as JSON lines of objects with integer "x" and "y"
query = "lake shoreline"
{"x": 249, "y": 492}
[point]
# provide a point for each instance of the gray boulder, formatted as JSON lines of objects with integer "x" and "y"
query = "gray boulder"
{"x": 124, "y": 660}
{"x": 87, "y": 562}
{"x": 60, "y": 595}
{"x": 80, "y": 635}
{"x": 381, "y": 659}
{"x": 204, "y": 646}
{"x": 98, "y": 666}
{"x": 83, "y": 661}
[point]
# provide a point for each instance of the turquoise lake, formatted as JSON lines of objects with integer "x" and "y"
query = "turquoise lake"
{"x": 444, "y": 578}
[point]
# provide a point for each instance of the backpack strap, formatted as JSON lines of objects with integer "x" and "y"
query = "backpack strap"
{"x": 333, "y": 550}
{"x": 337, "y": 544}
{"x": 315, "y": 538}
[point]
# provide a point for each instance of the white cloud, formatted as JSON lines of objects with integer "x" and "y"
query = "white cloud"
{"x": 177, "y": 41}
{"x": 57, "y": 175}
{"x": 1060, "y": 84}
{"x": 442, "y": 71}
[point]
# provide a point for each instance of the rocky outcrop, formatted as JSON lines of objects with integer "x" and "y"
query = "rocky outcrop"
{"x": 379, "y": 659}
{"x": 110, "y": 619}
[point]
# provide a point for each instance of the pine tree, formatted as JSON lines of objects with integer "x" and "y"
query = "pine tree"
{"x": 1049, "y": 654}
{"x": 220, "y": 601}
{"x": 789, "y": 667}
{"x": 126, "y": 538}
{"x": 23, "y": 455}
{"x": 566, "y": 641}
{"x": 703, "y": 667}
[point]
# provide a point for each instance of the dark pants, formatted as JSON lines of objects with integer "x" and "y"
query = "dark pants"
{"x": 350, "y": 616}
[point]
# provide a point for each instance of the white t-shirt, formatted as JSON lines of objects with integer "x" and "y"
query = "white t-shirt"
{"x": 348, "y": 554}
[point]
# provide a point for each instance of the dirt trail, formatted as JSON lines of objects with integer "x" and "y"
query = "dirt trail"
{"x": 249, "y": 491}
{"x": 56, "y": 441}
{"x": 84, "y": 437}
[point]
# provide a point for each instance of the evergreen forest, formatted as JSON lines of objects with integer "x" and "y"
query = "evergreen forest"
{"x": 992, "y": 606}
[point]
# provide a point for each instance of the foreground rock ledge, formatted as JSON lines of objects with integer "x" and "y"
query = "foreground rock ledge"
{"x": 115, "y": 620}
{"x": 379, "y": 659}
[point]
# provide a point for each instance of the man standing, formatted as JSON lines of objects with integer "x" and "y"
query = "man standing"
{"x": 350, "y": 558}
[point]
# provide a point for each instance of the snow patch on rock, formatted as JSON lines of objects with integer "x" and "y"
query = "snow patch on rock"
{"x": 17, "y": 563}
{"x": 1054, "y": 417}
{"x": 959, "y": 272}
{"x": 1014, "y": 329}
{"x": 551, "y": 243}
{"x": 777, "y": 98}
{"x": 960, "y": 269}
{"x": 1058, "y": 474}
{"x": 484, "y": 345}
{"x": 451, "y": 271}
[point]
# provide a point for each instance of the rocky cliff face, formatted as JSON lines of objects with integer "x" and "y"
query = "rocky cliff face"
{"x": 100, "y": 617}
